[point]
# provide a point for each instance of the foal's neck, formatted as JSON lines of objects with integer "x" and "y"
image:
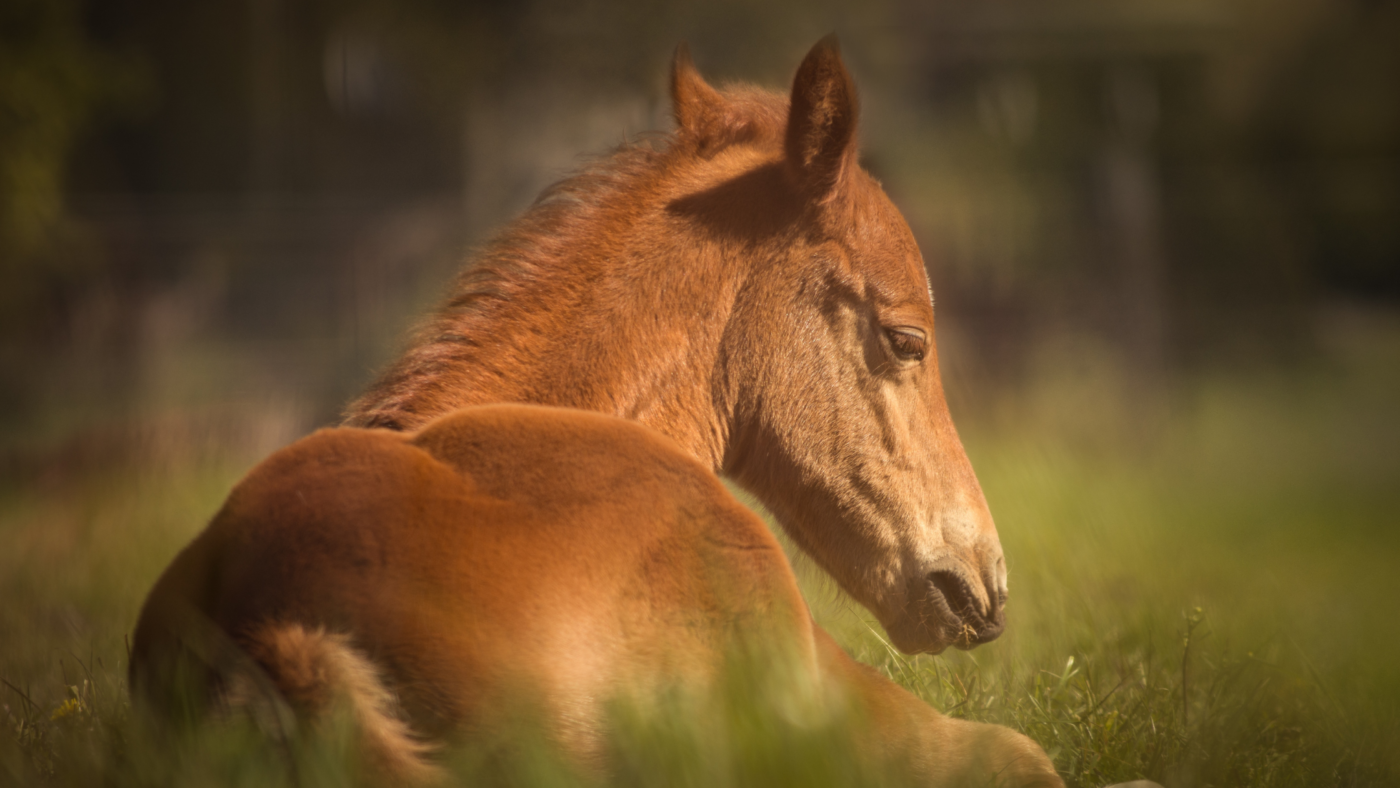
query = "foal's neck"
{"x": 625, "y": 320}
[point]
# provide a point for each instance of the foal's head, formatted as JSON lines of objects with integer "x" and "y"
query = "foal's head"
{"x": 827, "y": 370}
{"x": 749, "y": 291}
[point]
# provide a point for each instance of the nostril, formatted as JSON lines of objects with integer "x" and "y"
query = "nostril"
{"x": 955, "y": 592}
{"x": 994, "y": 581}
{"x": 998, "y": 599}
{"x": 996, "y": 593}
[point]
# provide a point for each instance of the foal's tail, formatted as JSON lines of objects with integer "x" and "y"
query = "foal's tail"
{"x": 321, "y": 674}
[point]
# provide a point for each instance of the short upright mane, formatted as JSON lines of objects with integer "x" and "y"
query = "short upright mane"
{"x": 545, "y": 241}
{"x": 525, "y": 251}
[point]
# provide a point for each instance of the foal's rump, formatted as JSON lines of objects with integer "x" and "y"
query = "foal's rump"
{"x": 502, "y": 550}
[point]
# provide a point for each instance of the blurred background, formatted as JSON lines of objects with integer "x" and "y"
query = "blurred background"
{"x": 221, "y": 210}
{"x": 1163, "y": 235}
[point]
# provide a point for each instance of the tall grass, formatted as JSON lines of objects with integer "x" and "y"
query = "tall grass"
{"x": 1202, "y": 593}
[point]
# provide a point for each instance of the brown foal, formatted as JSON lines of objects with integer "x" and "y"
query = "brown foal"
{"x": 743, "y": 299}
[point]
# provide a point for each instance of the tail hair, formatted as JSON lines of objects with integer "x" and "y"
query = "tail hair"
{"x": 320, "y": 673}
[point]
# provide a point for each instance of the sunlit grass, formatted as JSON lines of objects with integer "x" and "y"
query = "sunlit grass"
{"x": 1203, "y": 600}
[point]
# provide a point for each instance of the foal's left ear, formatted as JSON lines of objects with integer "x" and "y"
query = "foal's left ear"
{"x": 821, "y": 130}
{"x": 692, "y": 98}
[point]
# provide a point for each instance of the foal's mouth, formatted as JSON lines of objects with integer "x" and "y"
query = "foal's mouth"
{"x": 959, "y": 616}
{"x": 945, "y": 610}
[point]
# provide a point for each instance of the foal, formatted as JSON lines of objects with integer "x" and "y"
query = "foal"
{"x": 748, "y": 301}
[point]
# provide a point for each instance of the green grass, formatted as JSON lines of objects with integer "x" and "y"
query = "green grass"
{"x": 1203, "y": 593}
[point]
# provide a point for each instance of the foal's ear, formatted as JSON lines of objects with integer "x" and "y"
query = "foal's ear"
{"x": 821, "y": 130}
{"x": 691, "y": 97}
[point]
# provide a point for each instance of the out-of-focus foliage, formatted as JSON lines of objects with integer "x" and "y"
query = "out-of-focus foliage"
{"x": 54, "y": 83}
{"x": 1186, "y": 180}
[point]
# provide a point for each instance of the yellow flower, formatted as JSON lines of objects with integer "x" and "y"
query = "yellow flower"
{"x": 70, "y": 706}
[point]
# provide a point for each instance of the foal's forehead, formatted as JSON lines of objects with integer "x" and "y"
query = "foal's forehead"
{"x": 883, "y": 246}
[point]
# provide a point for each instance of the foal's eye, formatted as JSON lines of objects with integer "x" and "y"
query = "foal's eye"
{"x": 908, "y": 343}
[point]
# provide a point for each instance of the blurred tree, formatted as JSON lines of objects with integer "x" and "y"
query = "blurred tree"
{"x": 1185, "y": 179}
{"x": 1329, "y": 132}
{"x": 53, "y": 83}
{"x": 1169, "y": 175}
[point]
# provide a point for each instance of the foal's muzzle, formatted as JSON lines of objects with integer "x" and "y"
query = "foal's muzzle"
{"x": 948, "y": 605}
{"x": 970, "y": 621}
{"x": 944, "y": 610}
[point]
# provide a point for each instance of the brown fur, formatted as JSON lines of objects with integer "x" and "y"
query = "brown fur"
{"x": 321, "y": 673}
{"x": 748, "y": 301}
{"x": 505, "y": 550}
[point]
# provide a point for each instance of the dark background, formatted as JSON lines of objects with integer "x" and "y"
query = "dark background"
{"x": 230, "y": 212}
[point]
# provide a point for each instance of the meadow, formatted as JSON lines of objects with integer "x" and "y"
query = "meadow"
{"x": 1202, "y": 593}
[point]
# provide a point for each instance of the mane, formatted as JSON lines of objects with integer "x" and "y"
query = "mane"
{"x": 538, "y": 243}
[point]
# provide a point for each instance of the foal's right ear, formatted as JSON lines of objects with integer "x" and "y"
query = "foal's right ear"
{"x": 821, "y": 132}
{"x": 691, "y": 97}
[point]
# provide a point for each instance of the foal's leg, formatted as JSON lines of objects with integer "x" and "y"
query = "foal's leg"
{"x": 944, "y": 751}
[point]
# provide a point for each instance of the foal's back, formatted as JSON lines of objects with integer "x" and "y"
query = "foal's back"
{"x": 568, "y": 555}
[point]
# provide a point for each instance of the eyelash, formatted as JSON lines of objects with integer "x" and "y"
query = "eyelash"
{"x": 907, "y": 345}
